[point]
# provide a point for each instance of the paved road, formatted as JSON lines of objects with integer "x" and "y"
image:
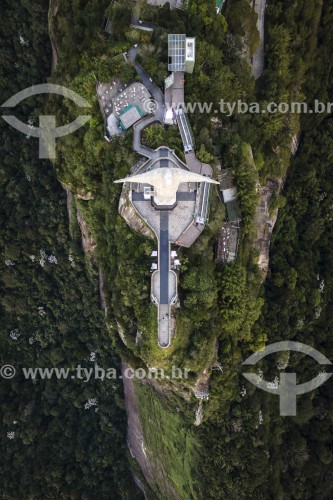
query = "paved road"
{"x": 153, "y": 89}
{"x": 158, "y": 116}
{"x": 164, "y": 257}
{"x": 258, "y": 58}
{"x": 143, "y": 25}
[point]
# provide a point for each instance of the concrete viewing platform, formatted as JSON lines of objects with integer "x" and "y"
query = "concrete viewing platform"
{"x": 173, "y": 201}
{"x": 168, "y": 294}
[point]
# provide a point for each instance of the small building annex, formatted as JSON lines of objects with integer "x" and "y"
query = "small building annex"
{"x": 181, "y": 53}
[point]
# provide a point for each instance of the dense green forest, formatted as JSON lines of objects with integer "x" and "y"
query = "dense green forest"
{"x": 258, "y": 453}
{"x": 285, "y": 457}
{"x": 50, "y": 298}
{"x": 88, "y": 166}
{"x": 54, "y": 445}
{"x": 225, "y": 304}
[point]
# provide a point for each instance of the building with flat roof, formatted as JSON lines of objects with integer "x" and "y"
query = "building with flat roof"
{"x": 181, "y": 53}
{"x": 189, "y": 55}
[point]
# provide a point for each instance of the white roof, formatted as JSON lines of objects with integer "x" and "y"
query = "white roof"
{"x": 168, "y": 116}
{"x": 190, "y": 49}
{"x": 229, "y": 194}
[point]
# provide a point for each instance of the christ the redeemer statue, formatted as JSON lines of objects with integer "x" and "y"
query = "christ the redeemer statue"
{"x": 166, "y": 181}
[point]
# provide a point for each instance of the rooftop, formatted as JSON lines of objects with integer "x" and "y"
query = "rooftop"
{"x": 233, "y": 211}
{"x": 190, "y": 48}
{"x": 176, "y": 52}
{"x": 181, "y": 50}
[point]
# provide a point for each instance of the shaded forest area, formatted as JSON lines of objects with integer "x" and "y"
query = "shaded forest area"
{"x": 258, "y": 453}
{"x": 246, "y": 450}
{"x": 60, "y": 438}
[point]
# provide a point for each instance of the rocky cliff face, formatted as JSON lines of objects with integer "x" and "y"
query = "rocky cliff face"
{"x": 265, "y": 219}
{"x": 265, "y": 222}
{"x": 88, "y": 242}
{"x": 135, "y": 438}
{"x": 127, "y": 211}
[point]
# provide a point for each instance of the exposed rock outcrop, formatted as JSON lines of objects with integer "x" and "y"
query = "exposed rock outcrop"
{"x": 199, "y": 414}
{"x": 101, "y": 291}
{"x": 264, "y": 219}
{"x": 127, "y": 211}
{"x": 53, "y": 10}
{"x": 265, "y": 222}
{"x": 69, "y": 201}
{"x": 121, "y": 334}
{"x": 82, "y": 195}
{"x": 294, "y": 144}
{"x": 258, "y": 58}
{"x": 88, "y": 242}
{"x": 135, "y": 437}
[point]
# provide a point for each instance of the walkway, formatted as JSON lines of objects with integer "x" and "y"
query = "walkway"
{"x": 164, "y": 261}
{"x": 174, "y": 95}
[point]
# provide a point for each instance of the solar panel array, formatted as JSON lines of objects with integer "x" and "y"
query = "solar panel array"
{"x": 176, "y": 52}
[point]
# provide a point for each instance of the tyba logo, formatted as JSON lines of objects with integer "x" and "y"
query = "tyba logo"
{"x": 47, "y": 131}
{"x": 287, "y": 388}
